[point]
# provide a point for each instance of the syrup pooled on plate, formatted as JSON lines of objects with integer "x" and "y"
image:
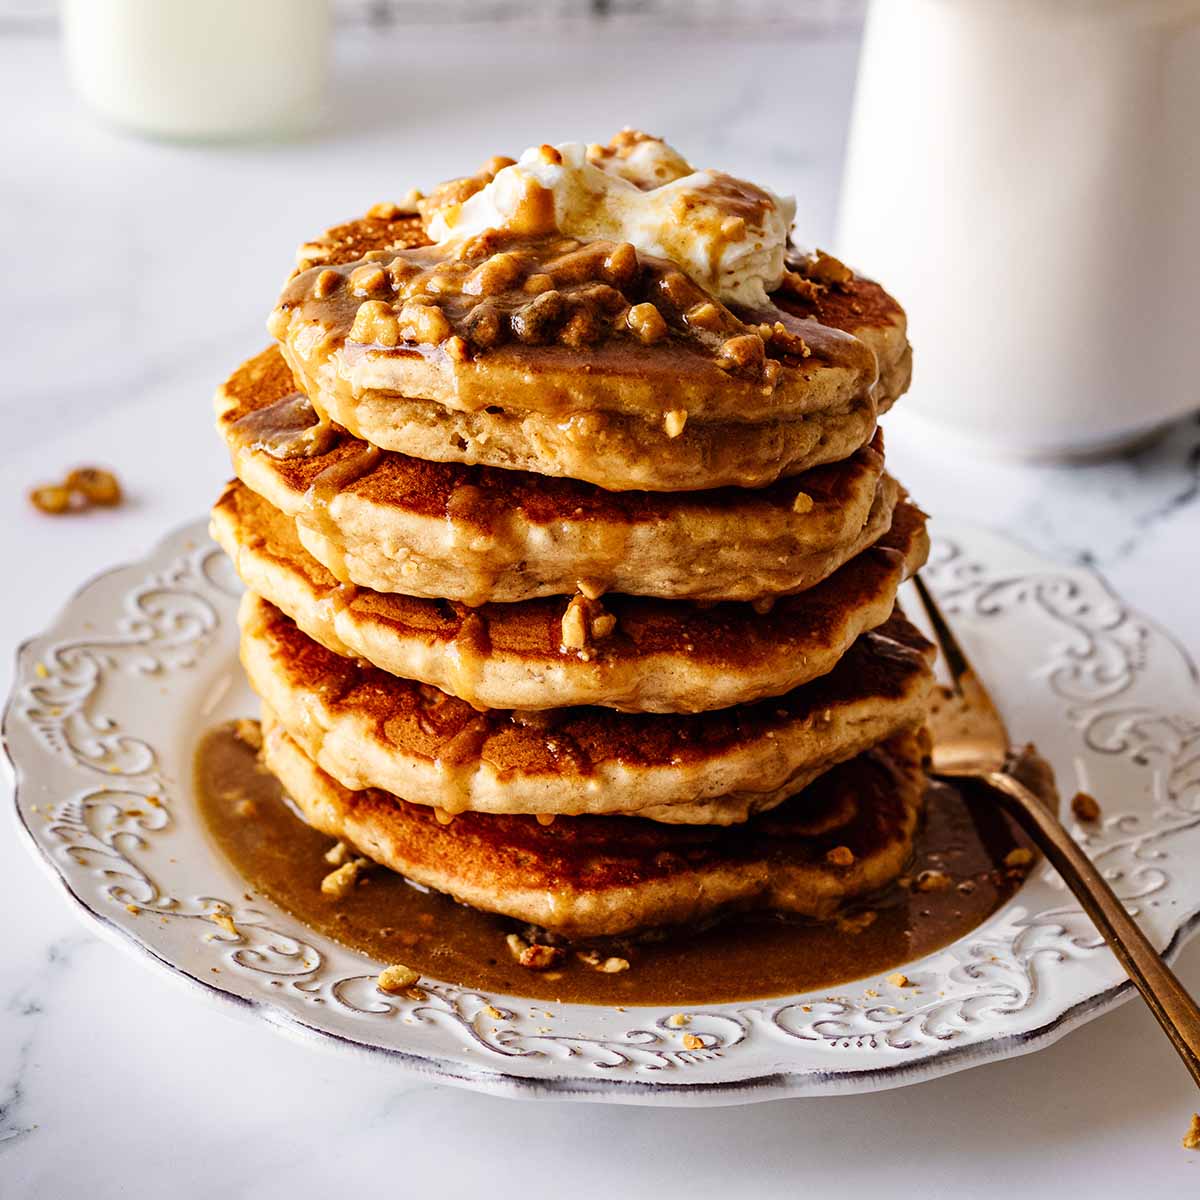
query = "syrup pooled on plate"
{"x": 740, "y": 957}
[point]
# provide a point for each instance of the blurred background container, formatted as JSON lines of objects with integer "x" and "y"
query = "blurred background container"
{"x": 210, "y": 69}
{"x": 1025, "y": 175}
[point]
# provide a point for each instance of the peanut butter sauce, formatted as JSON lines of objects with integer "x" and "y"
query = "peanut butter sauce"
{"x": 742, "y": 957}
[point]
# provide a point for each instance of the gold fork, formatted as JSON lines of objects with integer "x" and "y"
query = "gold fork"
{"x": 970, "y": 742}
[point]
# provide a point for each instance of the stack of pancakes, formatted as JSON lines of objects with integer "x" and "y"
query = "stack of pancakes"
{"x": 572, "y": 589}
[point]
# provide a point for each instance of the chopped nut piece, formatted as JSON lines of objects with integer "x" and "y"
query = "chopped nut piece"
{"x": 496, "y": 274}
{"x": 375, "y": 323}
{"x": 384, "y": 211}
{"x": 589, "y": 588}
{"x": 705, "y": 315}
{"x": 245, "y": 809}
{"x": 621, "y": 265}
{"x": 366, "y": 281}
{"x": 678, "y": 1020}
{"x": 485, "y": 326}
{"x": 743, "y": 351}
{"x": 1191, "y": 1139}
{"x": 538, "y": 321}
{"x": 225, "y": 921}
{"x": 614, "y": 965}
{"x": 583, "y": 328}
{"x": 782, "y": 338}
{"x": 932, "y": 881}
{"x": 134, "y": 910}
{"x": 1085, "y": 807}
{"x": 423, "y": 323}
{"x": 798, "y": 285}
{"x": 96, "y": 485}
{"x": 1020, "y": 857}
{"x": 338, "y": 854}
{"x": 341, "y": 882}
{"x": 248, "y": 732}
{"x": 692, "y": 1042}
{"x": 396, "y": 978}
{"x": 493, "y": 1012}
{"x": 857, "y": 922}
{"x": 539, "y": 282}
{"x": 574, "y": 625}
{"x": 802, "y": 504}
{"x": 827, "y": 269}
{"x": 647, "y": 323}
{"x": 840, "y": 856}
{"x": 898, "y": 979}
{"x": 674, "y": 422}
{"x": 52, "y": 499}
{"x": 457, "y": 349}
{"x": 538, "y": 957}
{"x": 603, "y": 625}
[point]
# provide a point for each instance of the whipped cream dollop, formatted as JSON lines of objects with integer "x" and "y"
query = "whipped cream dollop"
{"x": 728, "y": 234}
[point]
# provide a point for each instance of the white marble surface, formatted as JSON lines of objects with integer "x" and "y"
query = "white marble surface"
{"x": 137, "y": 274}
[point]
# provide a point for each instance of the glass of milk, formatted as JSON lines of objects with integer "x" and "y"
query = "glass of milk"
{"x": 200, "y": 68}
{"x": 1024, "y": 176}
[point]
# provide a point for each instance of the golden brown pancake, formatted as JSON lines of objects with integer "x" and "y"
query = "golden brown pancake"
{"x": 370, "y": 729}
{"x": 590, "y": 876}
{"x": 556, "y": 380}
{"x": 659, "y": 656}
{"x": 398, "y": 524}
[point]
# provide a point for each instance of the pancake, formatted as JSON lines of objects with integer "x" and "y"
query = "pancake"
{"x": 661, "y": 655}
{"x": 367, "y": 728}
{"x": 587, "y": 877}
{"x": 389, "y": 344}
{"x": 397, "y": 524}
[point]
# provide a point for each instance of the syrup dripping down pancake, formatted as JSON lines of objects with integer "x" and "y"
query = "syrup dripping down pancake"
{"x": 367, "y": 728}
{"x": 660, "y": 655}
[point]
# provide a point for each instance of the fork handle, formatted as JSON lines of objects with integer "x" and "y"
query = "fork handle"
{"x": 1168, "y": 999}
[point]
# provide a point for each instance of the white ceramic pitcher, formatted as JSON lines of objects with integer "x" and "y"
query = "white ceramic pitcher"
{"x": 1024, "y": 175}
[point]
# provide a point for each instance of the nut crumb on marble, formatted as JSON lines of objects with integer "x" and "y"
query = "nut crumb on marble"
{"x": 81, "y": 489}
{"x": 1191, "y": 1139}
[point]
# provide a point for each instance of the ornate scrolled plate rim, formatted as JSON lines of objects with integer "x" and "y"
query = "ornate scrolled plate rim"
{"x": 101, "y": 766}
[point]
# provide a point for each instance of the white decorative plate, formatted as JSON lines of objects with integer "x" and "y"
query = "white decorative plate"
{"x": 108, "y": 704}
